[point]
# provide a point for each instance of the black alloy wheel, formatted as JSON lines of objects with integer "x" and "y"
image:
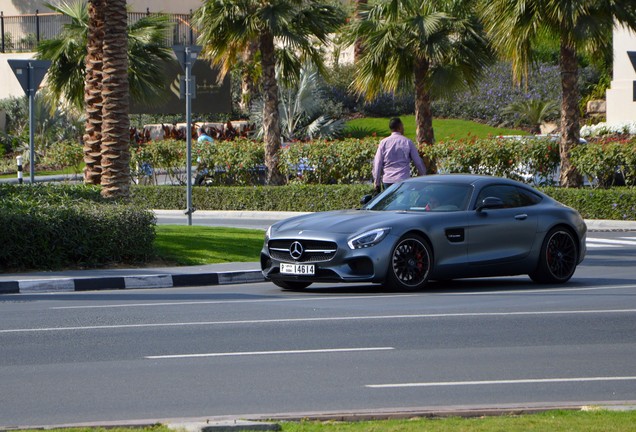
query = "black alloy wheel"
{"x": 558, "y": 258}
{"x": 410, "y": 266}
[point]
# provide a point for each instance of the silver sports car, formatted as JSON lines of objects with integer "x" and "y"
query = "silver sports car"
{"x": 436, "y": 227}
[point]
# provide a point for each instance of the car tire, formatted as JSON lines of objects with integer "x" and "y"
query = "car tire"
{"x": 291, "y": 286}
{"x": 558, "y": 257}
{"x": 410, "y": 264}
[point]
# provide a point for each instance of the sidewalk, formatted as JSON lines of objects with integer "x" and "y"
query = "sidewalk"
{"x": 172, "y": 277}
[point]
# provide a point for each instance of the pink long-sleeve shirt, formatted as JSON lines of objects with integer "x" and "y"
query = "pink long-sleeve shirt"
{"x": 393, "y": 158}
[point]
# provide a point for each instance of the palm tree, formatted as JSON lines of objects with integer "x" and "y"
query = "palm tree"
{"x": 71, "y": 58}
{"x": 76, "y": 72}
{"x": 227, "y": 27}
{"x": 516, "y": 25}
{"x": 300, "y": 108}
{"x": 533, "y": 112}
{"x": 436, "y": 46}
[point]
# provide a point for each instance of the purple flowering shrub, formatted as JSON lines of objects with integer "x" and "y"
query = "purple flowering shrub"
{"x": 485, "y": 104}
{"x": 496, "y": 91}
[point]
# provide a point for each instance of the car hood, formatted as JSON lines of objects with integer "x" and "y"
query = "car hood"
{"x": 340, "y": 221}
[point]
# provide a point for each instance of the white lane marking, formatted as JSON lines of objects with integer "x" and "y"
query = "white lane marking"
{"x": 498, "y": 382}
{"x": 545, "y": 290}
{"x": 325, "y": 319}
{"x": 627, "y": 242}
{"x": 276, "y": 300}
{"x": 361, "y": 297}
{"x": 256, "y": 353}
{"x": 598, "y": 246}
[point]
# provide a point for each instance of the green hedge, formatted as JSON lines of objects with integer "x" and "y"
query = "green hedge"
{"x": 51, "y": 227}
{"x": 617, "y": 203}
{"x": 614, "y": 203}
{"x": 293, "y": 197}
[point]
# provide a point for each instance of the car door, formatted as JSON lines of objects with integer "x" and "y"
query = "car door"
{"x": 503, "y": 235}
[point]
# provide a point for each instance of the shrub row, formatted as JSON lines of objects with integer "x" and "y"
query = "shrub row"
{"x": 51, "y": 227}
{"x": 601, "y": 161}
{"x": 520, "y": 159}
{"x": 617, "y": 203}
{"x": 241, "y": 162}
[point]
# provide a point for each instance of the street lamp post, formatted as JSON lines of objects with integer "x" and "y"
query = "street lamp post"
{"x": 187, "y": 55}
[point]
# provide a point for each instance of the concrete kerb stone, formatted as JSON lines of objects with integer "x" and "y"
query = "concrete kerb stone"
{"x": 33, "y": 286}
{"x": 610, "y": 225}
{"x": 225, "y": 426}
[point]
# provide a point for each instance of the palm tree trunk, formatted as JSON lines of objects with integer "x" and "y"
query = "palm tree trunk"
{"x": 358, "y": 47}
{"x": 570, "y": 126}
{"x": 248, "y": 86}
{"x": 115, "y": 91}
{"x": 93, "y": 93}
{"x": 423, "y": 111}
{"x": 271, "y": 120}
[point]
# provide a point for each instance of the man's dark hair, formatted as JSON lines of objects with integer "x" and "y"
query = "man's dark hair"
{"x": 202, "y": 130}
{"x": 395, "y": 123}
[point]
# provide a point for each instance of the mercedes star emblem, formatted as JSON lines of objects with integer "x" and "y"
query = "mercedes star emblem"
{"x": 296, "y": 250}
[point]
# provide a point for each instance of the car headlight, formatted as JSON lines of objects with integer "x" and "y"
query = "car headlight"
{"x": 369, "y": 238}
{"x": 268, "y": 233}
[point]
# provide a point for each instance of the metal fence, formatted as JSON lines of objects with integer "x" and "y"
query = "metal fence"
{"x": 22, "y": 33}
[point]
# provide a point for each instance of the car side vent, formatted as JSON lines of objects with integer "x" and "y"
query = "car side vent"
{"x": 455, "y": 235}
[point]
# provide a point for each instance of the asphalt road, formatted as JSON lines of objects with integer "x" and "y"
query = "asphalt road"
{"x": 237, "y": 350}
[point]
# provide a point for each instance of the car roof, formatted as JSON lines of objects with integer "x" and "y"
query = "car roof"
{"x": 466, "y": 179}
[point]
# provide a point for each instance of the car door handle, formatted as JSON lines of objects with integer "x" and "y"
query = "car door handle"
{"x": 521, "y": 216}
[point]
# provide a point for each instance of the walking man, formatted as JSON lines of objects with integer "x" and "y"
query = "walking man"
{"x": 393, "y": 158}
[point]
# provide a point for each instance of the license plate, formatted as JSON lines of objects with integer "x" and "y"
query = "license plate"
{"x": 297, "y": 269}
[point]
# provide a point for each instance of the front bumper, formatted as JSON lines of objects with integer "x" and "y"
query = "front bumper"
{"x": 347, "y": 265}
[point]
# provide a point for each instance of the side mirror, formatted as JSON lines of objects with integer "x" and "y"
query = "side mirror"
{"x": 365, "y": 199}
{"x": 490, "y": 203}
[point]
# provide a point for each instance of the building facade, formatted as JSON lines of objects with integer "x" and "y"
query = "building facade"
{"x": 19, "y": 7}
{"x": 621, "y": 97}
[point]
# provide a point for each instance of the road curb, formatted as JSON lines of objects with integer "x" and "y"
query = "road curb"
{"x": 272, "y": 421}
{"x": 65, "y": 284}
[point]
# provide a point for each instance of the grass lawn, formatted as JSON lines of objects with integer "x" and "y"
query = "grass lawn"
{"x": 553, "y": 421}
{"x": 444, "y": 128}
{"x": 26, "y": 173}
{"x": 196, "y": 245}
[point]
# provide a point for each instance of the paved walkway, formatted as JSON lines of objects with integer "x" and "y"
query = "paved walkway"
{"x": 169, "y": 277}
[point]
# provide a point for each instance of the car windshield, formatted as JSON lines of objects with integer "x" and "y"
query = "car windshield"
{"x": 425, "y": 197}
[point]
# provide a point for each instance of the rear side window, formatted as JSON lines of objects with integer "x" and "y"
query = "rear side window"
{"x": 528, "y": 198}
{"x": 512, "y": 196}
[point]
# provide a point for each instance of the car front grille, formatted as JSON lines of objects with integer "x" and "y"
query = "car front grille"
{"x": 309, "y": 250}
